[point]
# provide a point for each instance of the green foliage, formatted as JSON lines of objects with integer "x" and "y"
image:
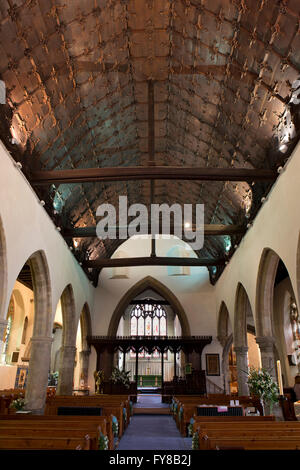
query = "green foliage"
{"x": 18, "y": 404}
{"x": 103, "y": 442}
{"x": 120, "y": 376}
{"x": 53, "y": 379}
{"x": 115, "y": 426}
{"x": 262, "y": 385}
{"x": 195, "y": 441}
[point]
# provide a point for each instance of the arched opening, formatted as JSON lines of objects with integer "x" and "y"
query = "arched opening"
{"x": 3, "y": 281}
{"x": 160, "y": 313}
{"x": 84, "y": 330}
{"x": 28, "y": 348}
{"x": 149, "y": 314}
{"x": 278, "y": 317}
{"x": 160, "y": 289}
{"x": 225, "y": 337}
{"x": 246, "y": 348}
{"x": 65, "y": 359}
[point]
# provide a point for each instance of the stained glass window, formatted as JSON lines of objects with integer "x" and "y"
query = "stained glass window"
{"x": 148, "y": 319}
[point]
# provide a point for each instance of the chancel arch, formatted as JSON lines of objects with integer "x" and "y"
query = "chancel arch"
{"x": 158, "y": 287}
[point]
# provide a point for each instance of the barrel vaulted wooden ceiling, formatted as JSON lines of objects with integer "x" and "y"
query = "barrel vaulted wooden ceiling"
{"x": 225, "y": 76}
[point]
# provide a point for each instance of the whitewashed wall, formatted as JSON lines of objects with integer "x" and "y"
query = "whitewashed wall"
{"x": 276, "y": 226}
{"x": 27, "y": 229}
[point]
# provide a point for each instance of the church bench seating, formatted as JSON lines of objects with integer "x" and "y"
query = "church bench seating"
{"x": 187, "y": 406}
{"x": 109, "y": 405}
{"x": 34, "y": 425}
{"x": 91, "y": 425}
{"x": 251, "y": 442}
{"x": 249, "y": 435}
{"x": 41, "y": 443}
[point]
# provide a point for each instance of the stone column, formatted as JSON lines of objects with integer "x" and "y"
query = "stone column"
{"x": 84, "y": 366}
{"x": 3, "y": 325}
{"x": 242, "y": 369}
{"x": 66, "y": 370}
{"x": 225, "y": 363}
{"x": 266, "y": 346}
{"x": 37, "y": 381}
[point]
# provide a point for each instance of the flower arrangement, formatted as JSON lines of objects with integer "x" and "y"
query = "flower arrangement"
{"x": 180, "y": 413}
{"x": 53, "y": 379}
{"x": 120, "y": 376}
{"x": 103, "y": 442}
{"x": 18, "y": 404}
{"x": 190, "y": 427}
{"x": 115, "y": 426}
{"x": 195, "y": 441}
{"x": 262, "y": 385}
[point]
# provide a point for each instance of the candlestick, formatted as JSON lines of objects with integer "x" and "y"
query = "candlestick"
{"x": 279, "y": 378}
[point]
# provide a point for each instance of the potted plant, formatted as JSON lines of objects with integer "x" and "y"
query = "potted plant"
{"x": 120, "y": 377}
{"x": 18, "y": 405}
{"x": 53, "y": 379}
{"x": 262, "y": 385}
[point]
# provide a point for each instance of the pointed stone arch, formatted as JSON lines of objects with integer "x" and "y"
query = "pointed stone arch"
{"x": 265, "y": 291}
{"x": 225, "y": 337}
{"x": 223, "y": 322}
{"x": 3, "y": 281}
{"x": 242, "y": 305}
{"x": 84, "y": 354}
{"x": 86, "y": 326}
{"x": 240, "y": 316}
{"x": 149, "y": 283}
{"x": 68, "y": 349}
{"x": 40, "y": 344}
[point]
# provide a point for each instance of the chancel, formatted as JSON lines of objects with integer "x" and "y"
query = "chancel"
{"x": 137, "y": 338}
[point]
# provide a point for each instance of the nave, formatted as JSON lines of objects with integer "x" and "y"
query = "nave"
{"x": 153, "y": 431}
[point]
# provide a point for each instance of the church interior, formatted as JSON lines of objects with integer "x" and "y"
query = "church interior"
{"x": 177, "y": 105}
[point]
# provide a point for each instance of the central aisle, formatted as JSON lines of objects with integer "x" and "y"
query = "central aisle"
{"x": 152, "y": 431}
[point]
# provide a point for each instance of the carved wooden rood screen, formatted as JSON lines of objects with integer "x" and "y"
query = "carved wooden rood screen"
{"x": 106, "y": 346}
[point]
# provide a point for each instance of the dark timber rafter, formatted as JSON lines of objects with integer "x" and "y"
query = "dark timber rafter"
{"x": 209, "y": 230}
{"x": 151, "y": 261}
{"x": 89, "y": 175}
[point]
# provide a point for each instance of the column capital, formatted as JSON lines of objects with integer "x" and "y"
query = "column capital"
{"x": 68, "y": 349}
{"x": 41, "y": 339}
{"x": 242, "y": 350}
{"x": 85, "y": 353}
{"x": 265, "y": 343}
{"x": 222, "y": 340}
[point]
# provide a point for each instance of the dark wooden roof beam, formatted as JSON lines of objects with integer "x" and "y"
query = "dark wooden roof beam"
{"x": 87, "y": 175}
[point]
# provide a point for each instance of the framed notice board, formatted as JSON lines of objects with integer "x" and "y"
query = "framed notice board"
{"x": 212, "y": 364}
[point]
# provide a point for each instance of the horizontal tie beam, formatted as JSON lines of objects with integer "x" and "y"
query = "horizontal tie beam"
{"x": 209, "y": 230}
{"x": 150, "y": 261}
{"x": 88, "y": 175}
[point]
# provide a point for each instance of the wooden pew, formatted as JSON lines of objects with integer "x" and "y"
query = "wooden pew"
{"x": 110, "y": 405}
{"x": 249, "y": 435}
{"x": 41, "y": 443}
{"x": 189, "y": 404}
{"x": 254, "y": 443}
{"x": 91, "y": 425}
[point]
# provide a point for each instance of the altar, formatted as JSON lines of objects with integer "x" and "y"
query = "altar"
{"x": 148, "y": 380}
